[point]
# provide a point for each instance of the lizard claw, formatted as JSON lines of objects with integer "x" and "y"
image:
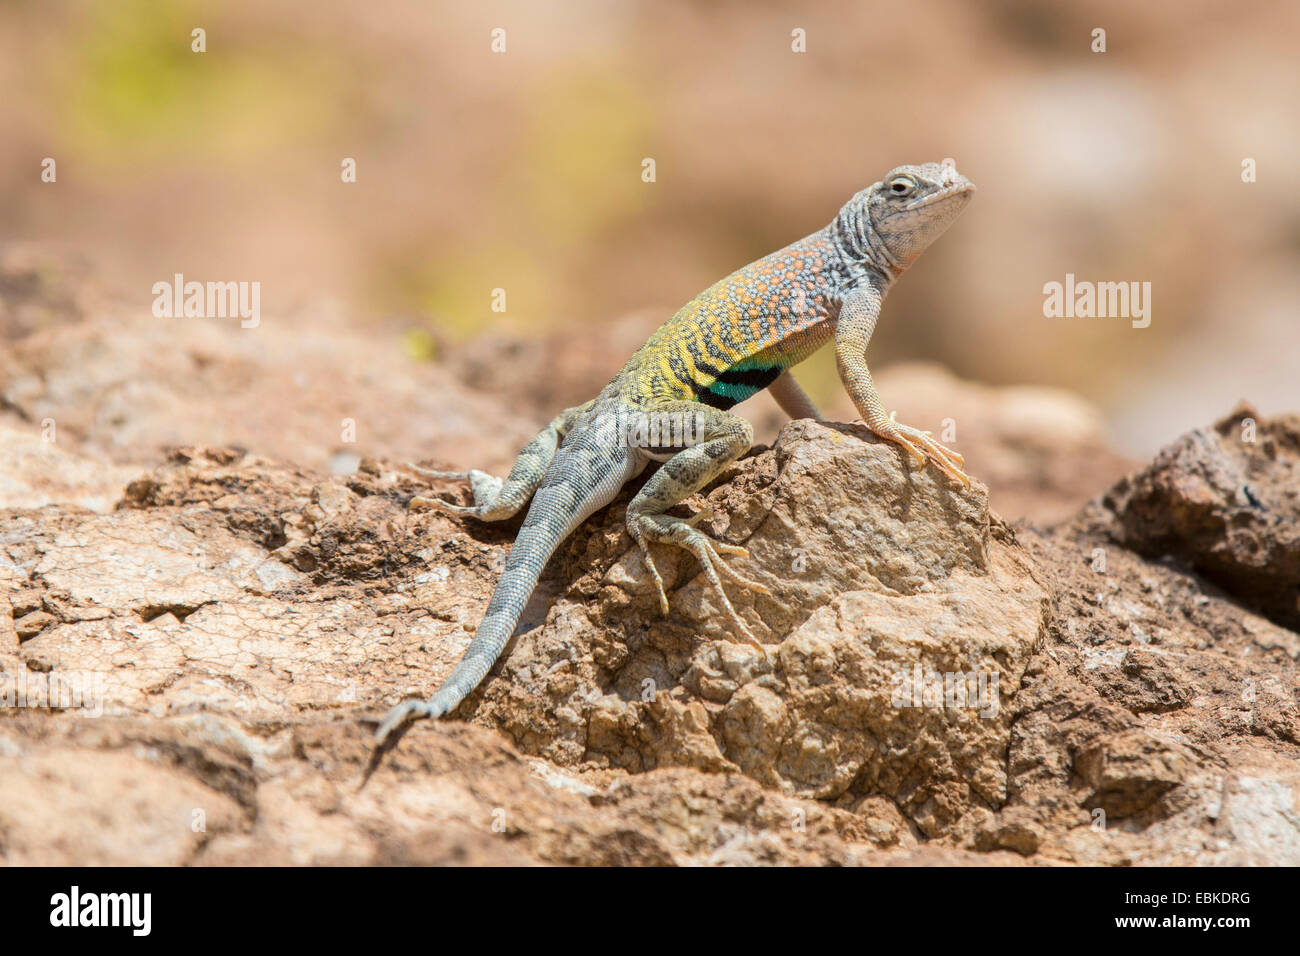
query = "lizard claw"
{"x": 439, "y": 475}
{"x": 707, "y": 552}
{"x": 654, "y": 571}
{"x": 486, "y": 489}
{"x": 701, "y": 515}
{"x": 708, "y": 557}
{"x": 923, "y": 448}
{"x": 421, "y": 503}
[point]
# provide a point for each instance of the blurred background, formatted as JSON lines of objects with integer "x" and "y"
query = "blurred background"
{"x": 522, "y": 171}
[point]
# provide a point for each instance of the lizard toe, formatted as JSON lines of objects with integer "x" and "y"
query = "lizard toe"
{"x": 703, "y": 549}
{"x": 639, "y": 536}
{"x": 439, "y": 475}
{"x": 421, "y": 503}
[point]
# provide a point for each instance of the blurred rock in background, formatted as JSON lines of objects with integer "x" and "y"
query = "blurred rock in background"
{"x": 522, "y": 171}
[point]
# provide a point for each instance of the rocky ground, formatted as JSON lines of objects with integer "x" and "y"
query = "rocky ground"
{"x": 941, "y": 685}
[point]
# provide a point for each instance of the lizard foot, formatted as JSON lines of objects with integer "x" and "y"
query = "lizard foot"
{"x": 665, "y": 530}
{"x": 486, "y": 489}
{"x": 922, "y": 447}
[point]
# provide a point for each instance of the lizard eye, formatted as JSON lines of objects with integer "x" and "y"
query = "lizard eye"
{"x": 901, "y": 185}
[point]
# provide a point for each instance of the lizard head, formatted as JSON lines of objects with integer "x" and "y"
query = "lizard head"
{"x": 910, "y": 208}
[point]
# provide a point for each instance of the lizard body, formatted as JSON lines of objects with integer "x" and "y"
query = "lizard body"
{"x": 735, "y": 338}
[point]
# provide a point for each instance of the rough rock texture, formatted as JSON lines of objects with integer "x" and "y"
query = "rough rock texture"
{"x": 235, "y": 624}
{"x": 876, "y": 572}
{"x": 194, "y": 644}
{"x": 1225, "y": 500}
{"x": 35, "y": 470}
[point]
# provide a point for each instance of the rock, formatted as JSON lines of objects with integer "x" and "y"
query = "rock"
{"x": 1226, "y": 500}
{"x": 123, "y": 386}
{"x": 1259, "y": 818}
{"x": 844, "y": 705}
{"x": 1129, "y": 771}
{"x": 29, "y": 625}
{"x": 1013, "y": 829}
{"x": 211, "y": 655}
{"x": 35, "y": 470}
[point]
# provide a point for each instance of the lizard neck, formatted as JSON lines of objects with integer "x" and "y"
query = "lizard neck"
{"x": 861, "y": 249}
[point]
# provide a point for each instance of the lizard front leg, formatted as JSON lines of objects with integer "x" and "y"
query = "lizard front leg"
{"x": 857, "y": 321}
{"x": 721, "y": 439}
{"x": 495, "y": 499}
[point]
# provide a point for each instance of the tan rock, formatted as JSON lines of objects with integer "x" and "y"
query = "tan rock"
{"x": 227, "y": 629}
{"x": 843, "y": 706}
{"x": 1227, "y": 501}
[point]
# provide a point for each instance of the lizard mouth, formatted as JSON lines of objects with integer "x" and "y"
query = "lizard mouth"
{"x": 948, "y": 192}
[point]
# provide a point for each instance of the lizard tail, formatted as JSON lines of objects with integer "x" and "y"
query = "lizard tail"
{"x": 583, "y": 477}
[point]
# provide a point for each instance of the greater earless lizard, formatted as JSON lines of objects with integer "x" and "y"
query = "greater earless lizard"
{"x": 734, "y": 339}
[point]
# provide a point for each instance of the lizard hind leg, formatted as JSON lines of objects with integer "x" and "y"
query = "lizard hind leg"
{"x": 722, "y": 438}
{"x": 496, "y": 499}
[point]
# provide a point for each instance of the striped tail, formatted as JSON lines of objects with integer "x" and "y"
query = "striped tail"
{"x": 584, "y": 477}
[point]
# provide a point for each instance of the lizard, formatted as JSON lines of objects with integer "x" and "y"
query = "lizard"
{"x": 734, "y": 339}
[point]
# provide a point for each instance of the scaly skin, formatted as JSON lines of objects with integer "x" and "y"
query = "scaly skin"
{"x": 734, "y": 339}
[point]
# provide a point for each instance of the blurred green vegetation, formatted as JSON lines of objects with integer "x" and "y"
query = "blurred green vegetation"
{"x": 132, "y": 91}
{"x": 587, "y": 132}
{"x": 453, "y": 288}
{"x": 575, "y": 175}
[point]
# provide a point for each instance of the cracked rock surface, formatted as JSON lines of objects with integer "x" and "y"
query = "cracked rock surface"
{"x": 196, "y": 639}
{"x": 938, "y": 686}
